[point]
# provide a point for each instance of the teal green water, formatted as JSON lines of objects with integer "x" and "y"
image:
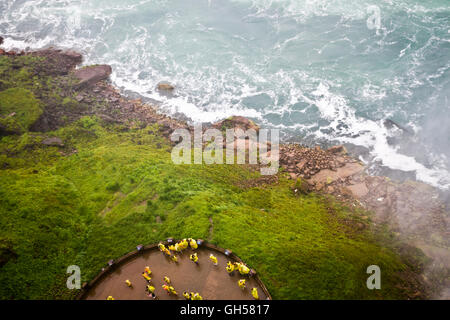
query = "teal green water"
{"x": 324, "y": 70}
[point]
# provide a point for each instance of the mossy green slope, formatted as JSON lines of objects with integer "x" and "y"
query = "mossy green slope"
{"x": 113, "y": 187}
{"x": 121, "y": 189}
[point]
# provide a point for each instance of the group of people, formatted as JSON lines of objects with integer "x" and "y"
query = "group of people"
{"x": 168, "y": 288}
{"x": 243, "y": 270}
{"x": 192, "y": 296}
{"x": 149, "y": 288}
{"x": 178, "y": 248}
{"x": 254, "y": 291}
{"x": 171, "y": 291}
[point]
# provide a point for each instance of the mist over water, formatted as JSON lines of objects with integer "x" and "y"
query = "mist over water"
{"x": 311, "y": 68}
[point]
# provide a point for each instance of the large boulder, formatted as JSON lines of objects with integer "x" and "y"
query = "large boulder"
{"x": 88, "y": 76}
{"x": 236, "y": 122}
{"x": 165, "y": 86}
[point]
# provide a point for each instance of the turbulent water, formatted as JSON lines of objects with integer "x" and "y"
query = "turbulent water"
{"x": 329, "y": 70}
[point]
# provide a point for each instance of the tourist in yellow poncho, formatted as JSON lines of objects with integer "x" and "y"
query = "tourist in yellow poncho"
{"x": 128, "y": 282}
{"x": 230, "y": 268}
{"x": 172, "y": 291}
{"x": 193, "y": 244}
{"x": 184, "y": 244}
{"x": 194, "y": 258}
{"x": 255, "y": 293}
{"x": 243, "y": 269}
{"x": 161, "y": 247}
{"x": 146, "y": 277}
{"x": 148, "y": 271}
{"x": 213, "y": 259}
{"x": 241, "y": 284}
{"x": 197, "y": 296}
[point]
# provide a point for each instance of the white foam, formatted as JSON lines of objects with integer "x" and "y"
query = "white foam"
{"x": 371, "y": 134}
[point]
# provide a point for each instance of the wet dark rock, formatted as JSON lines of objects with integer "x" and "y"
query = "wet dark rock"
{"x": 389, "y": 124}
{"x": 57, "y": 62}
{"x": 337, "y": 150}
{"x": 165, "y": 86}
{"x": 42, "y": 124}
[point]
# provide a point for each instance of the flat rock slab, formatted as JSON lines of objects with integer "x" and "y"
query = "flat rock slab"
{"x": 359, "y": 190}
{"x": 329, "y": 176}
{"x": 211, "y": 282}
{"x": 54, "y": 141}
{"x": 89, "y": 76}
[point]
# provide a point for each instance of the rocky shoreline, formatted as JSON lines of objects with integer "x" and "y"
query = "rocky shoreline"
{"x": 413, "y": 210}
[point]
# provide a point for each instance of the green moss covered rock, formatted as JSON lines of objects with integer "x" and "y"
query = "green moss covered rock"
{"x": 301, "y": 186}
{"x": 19, "y": 109}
